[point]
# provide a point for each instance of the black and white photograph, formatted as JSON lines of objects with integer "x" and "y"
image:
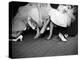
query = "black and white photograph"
{"x": 42, "y": 29}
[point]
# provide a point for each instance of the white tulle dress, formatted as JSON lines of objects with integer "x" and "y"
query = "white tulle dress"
{"x": 59, "y": 18}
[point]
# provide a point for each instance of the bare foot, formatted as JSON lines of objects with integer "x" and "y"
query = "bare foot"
{"x": 37, "y": 36}
{"x": 51, "y": 30}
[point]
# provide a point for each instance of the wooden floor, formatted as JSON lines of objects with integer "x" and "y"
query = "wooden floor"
{"x": 41, "y": 47}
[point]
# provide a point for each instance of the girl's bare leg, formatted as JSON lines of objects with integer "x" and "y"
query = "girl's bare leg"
{"x": 44, "y": 26}
{"x": 51, "y": 30}
{"x": 37, "y": 34}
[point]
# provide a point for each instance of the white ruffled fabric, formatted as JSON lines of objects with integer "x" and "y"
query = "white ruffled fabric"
{"x": 59, "y": 18}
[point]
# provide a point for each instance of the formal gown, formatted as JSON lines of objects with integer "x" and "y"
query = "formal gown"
{"x": 59, "y": 18}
